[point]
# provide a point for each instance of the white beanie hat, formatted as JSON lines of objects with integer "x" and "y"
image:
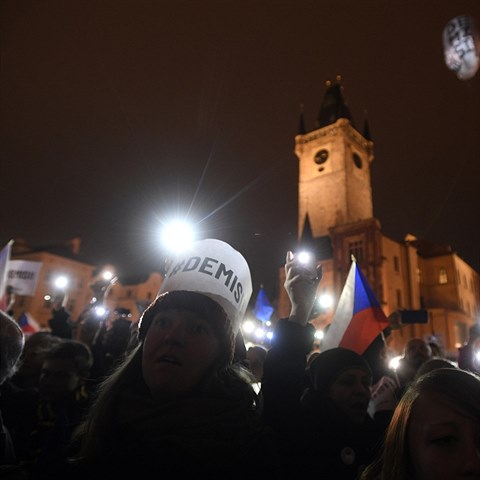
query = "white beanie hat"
{"x": 215, "y": 269}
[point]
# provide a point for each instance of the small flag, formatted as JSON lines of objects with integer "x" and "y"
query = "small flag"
{"x": 4, "y": 262}
{"x": 263, "y": 309}
{"x": 358, "y": 319}
{"x": 27, "y": 323}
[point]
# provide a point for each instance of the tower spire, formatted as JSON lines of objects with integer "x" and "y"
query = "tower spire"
{"x": 334, "y": 105}
{"x": 301, "y": 122}
{"x": 366, "y": 128}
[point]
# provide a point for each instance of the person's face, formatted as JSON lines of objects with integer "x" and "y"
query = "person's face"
{"x": 351, "y": 393}
{"x": 179, "y": 348}
{"x": 443, "y": 443}
{"x": 417, "y": 352}
{"x": 58, "y": 378}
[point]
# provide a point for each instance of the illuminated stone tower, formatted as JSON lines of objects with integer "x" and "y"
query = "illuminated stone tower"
{"x": 334, "y": 168}
{"x": 335, "y": 208}
{"x": 335, "y": 221}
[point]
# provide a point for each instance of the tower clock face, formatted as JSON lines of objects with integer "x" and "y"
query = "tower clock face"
{"x": 321, "y": 157}
{"x": 357, "y": 160}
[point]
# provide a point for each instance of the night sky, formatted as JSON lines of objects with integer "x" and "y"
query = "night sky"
{"x": 117, "y": 115}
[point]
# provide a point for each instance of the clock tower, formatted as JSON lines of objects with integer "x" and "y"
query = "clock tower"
{"x": 335, "y": 208}
{"x": 334, "y": 168}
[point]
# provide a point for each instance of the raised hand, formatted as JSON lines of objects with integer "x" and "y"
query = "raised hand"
{"x": 301, "y": 283}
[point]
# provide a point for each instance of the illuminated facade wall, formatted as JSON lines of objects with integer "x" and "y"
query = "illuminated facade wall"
{"x": 334, "y": 190}
{"x": 77, "y": 292}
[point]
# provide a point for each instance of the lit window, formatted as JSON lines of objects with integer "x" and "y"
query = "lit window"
{"x": 442, "y": 276}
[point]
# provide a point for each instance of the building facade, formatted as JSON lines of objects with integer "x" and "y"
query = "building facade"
{"x": 426, "y": 290}
{"x": 85, "y": 285}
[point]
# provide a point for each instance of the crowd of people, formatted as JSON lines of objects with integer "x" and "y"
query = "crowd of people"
{"x": 180, "y": 395}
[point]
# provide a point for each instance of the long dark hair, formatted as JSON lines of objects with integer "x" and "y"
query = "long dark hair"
{"x": 224, "y": 380}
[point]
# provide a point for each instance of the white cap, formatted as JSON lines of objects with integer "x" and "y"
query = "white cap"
{"x": 215, "y": 269}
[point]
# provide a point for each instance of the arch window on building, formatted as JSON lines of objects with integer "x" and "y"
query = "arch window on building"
{"x": 396, "y": 264}
{"x": 442, "y": 276}
{"x": 356, "y": 249}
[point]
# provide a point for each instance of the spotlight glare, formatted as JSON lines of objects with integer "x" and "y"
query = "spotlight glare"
{"x": 394, "y": 362}
{"x": 100, "y": 311}
{"x": 259, "y": 332}
{"x": 177, "y": 236}
{"x": 248, "y": 326}
{"x": 61, "y": 282}
{"x": 303, "y": 257}
{"x": 319, "y": 334}
{"x": 325, "y": 300}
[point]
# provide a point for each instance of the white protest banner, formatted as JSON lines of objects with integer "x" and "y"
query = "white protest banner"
{"x": 22, "y": 275}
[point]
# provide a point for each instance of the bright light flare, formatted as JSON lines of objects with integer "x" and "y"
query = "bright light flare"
{"x": 177, "y": 236}
{"x": 100, "y": 311}
{"x": 325, "y": 300}
{"x": 107, "y": 275}
{"x": 319, "y": 335}
{"x": 394, "y": 362}
{"x": 248, "y": 326}
{"x": 61, "y": 281}
{"x": 259, "y": 333}
{"x": 303, "y": 257}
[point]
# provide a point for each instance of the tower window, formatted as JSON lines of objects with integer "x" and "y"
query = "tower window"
{"x": 396, "y": 264}
{"x": 321, "y": 156}
{"x": 357, "y": 160}
{"x": 442, "y": 276}
{"x": 356, "y": 249}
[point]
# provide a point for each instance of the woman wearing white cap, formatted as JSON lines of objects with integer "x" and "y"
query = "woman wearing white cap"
{"x": 177, "y": 404}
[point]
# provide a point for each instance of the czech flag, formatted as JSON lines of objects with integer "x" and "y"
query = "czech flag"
{"x": 27, "y": 323}
{"x": 263, "y": 309}
{"x": 358, "y": 319}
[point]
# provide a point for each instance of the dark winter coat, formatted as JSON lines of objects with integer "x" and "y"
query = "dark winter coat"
{"x": 61, "y": 324}
{"x": 314, "y": 436}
